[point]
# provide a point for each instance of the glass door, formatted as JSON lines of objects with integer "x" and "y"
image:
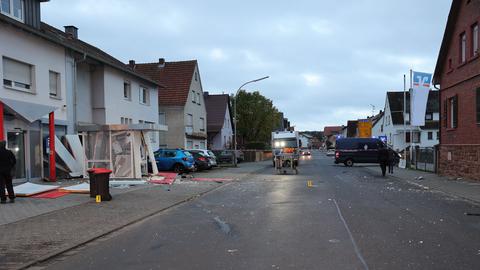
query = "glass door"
{"x": 16, "y": 143}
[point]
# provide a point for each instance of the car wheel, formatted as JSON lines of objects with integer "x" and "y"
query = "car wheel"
{"x": 349, "y": 163}
{"x": 178, "y": 168}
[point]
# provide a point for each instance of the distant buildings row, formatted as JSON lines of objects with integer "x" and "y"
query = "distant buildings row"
{"x": 452, "y": 119}
{"x": 53, "y": 81}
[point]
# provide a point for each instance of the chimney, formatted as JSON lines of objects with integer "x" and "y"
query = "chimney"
{"x": 161, "y": 62}
{"x": 131, "y": 64}
{"x": 71, "y": 31}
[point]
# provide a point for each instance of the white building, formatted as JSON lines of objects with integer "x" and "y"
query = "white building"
{"x": 47, "y": 70}
{"x": 391, "y": 124}
{"x": 181, "y": 102}
{"x": 305, "y": 140}
{"x": 220, "y": 123}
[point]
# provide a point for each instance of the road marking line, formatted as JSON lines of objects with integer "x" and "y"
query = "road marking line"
{"x": 355, "y": 247}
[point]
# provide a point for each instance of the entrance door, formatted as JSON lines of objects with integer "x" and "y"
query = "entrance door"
{"x": 16, "y": 143}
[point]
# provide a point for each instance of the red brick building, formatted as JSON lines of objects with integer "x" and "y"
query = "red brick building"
{"x": 457, "y": 74}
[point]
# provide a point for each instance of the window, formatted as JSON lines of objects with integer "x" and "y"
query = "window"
{"x": 198, "y": 98}
{"x": 17, "y": 75}
{"x": 161, "y": 118}
{"x": 189, "y": 144}
{"x": 438, "y": 135}
{"x": 478, "y": 105}
{"x": 202, "y": 124}
{"x": 13, "y": 8}
{"x": 196, "y": 76}
{"x": 126, "y": 121}
{"x": 202, "y": 145}
{"x": 127, "y": 90}
{"x": 430, "y": 135}
{"x": 475, "y": 40}
{"x": 429, "y": 116}
{"x": 463, "y": 48}
{"x": 189, "y": 120}
{"x": 54, "y": 84}
{"x": 453, "y": 111}
{"x": 194, "y": 97}
{"x": 144, "y": 96}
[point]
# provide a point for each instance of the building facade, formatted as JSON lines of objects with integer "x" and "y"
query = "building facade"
{"x": 181, "y": 101}
{"x": 392, "y": 125}
{"x": 53, "y": 81}
{"x": 457, "y": 75}
{"x": 219, "y": 121}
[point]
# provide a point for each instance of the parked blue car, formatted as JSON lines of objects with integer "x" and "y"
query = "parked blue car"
{"x": 176, "y": 160}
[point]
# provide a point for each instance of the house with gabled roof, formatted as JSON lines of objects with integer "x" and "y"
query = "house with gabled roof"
{"x": 457, "y": 75}
{"x": 219, "y": 121}
{"x": 181, "y": 102}
{"x": 53, "y": 83}
{"x": 392, "y": 124}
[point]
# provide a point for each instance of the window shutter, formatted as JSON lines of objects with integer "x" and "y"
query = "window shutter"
{"x": 455, "y": 111}
{"x": 16, "y": 71}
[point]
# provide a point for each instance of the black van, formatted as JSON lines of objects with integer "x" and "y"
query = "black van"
{"x": 357, "y": 150}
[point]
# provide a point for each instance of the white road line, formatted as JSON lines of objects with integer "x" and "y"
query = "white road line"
{"x": 357, "y": 251}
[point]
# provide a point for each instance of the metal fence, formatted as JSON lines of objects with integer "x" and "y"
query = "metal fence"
{"x": 424, "y": 159}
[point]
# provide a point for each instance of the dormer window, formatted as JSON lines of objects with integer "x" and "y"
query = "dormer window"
{"x": 12, "y": 8}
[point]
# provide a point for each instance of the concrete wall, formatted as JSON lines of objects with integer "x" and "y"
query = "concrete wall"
{"x": 44, "y": 56}
{"x": 174, "y": 116}
{"x": 84, "y": 94}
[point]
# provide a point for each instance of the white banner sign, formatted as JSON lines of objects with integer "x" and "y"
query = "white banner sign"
{"x": 419, "y": 97}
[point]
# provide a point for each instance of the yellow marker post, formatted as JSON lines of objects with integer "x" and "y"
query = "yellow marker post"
{"x": 309, "y": 183}
{"x": 98, "y": 199}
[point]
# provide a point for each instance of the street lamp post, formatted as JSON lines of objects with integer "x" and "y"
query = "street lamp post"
{"x": 235, "y": 116}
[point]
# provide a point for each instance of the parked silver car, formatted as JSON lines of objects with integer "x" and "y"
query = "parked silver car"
{"x": 212, "y": 159}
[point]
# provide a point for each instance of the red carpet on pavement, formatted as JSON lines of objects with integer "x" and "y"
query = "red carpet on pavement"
{"x": 50, "y": 194}
{"x": 211, "y": 179}
{"x": 169, "y": 178}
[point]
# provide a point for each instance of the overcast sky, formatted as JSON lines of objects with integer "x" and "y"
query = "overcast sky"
{"x": 327, "y": 60}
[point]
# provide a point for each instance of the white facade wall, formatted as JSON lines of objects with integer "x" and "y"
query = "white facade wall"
{"x": 225, "y": 137}
{"x": 198, "y": 110}
{"x": 116, "y": 106}
{"x": 44, "y": 56}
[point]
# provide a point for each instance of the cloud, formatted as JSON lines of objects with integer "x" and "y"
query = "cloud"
{"x": 312, "y": 79}
{"x": 327, "y": 60}
{"x": 218, "y": 55}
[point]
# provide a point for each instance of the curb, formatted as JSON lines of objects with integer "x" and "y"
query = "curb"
{"x": 87, "y": 241}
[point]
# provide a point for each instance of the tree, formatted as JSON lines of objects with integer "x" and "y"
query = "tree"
{"x": 257, "y": 117}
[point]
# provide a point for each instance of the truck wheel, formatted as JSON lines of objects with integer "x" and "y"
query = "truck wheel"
{"x": 348, "y": 162}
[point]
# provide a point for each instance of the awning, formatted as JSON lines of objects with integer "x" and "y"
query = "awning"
{"x": 30, "y": 112}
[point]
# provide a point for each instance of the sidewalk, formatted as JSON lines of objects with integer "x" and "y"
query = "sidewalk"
{"x": 462, "y": 188}
{"x": 78, "y": 220}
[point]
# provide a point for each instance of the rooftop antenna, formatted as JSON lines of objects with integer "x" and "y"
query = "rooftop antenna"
{"x": 373, "y": 109}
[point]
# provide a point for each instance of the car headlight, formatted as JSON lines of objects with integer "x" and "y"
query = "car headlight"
{"x": 282, "y": 144}
{"x": 277, "y": 144}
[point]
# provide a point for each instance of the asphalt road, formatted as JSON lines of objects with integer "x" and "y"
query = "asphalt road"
{"x": 349, "y": 218}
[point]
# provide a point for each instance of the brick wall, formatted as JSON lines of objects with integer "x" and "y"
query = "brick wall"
{"x": 460, "y": 161}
